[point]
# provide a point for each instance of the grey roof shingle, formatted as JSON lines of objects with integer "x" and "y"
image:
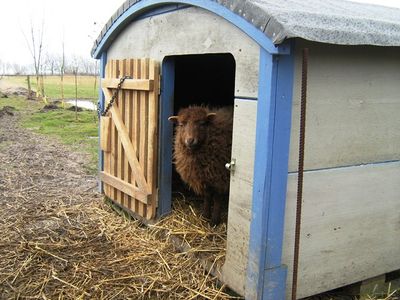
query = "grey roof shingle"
{"x": 326, "y": 21}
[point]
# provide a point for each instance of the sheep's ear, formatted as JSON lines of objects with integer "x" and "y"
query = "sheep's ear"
{"x": 211, "y": 116}
{"x": 173, "y": 119}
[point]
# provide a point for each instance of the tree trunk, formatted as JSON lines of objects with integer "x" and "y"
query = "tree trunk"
{"x": 76, "y": 96}
{"x": 42, "y": 89}
{"x": 62, "y": 90}
{"x": 28, "y": 79}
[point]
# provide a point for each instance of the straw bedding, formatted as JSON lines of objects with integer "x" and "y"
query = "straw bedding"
{"x": 59, "y": 240}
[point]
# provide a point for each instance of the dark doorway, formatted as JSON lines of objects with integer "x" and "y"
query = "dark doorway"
{"x": 207, "y": 79}
{"x": 204, "y": 79}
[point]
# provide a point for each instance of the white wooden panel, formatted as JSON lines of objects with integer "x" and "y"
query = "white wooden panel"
{"x": 163, "y": 35}
{"x": 350, "y": 226}
{"x": 241, "y": 190}
{"x": 353, "y": 106}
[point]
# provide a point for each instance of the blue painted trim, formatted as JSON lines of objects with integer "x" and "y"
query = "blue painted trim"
{"x": 162, "y": 10}
{"x": 100, "y": 103}
{"x": 266, "y": 277}
{"x": 275, "y": 283}
{"x": 166, "y": 135}
{"x": 144, "y": 6}
{"x": 262, "y": 171}
{"x": 280, "y": 161}
{"x": 102, "y": 68}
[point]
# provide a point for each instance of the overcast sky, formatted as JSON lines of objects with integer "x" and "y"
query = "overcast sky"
{"x": 79, "y": 21}
{"x": 75, "y": 19}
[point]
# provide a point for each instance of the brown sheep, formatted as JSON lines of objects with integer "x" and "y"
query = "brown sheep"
{"x": 202, "y": 147}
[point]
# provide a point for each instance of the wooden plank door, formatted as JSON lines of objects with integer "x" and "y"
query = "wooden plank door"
{"x": 129, "y": 135}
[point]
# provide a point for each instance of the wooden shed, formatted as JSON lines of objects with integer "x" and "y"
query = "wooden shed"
{"x": 247, "y": 53}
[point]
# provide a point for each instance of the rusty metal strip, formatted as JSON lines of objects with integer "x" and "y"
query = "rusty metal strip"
{"x": 304, "y": 73}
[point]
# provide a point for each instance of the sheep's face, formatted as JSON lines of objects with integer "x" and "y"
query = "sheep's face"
{"x": 191, "y": 126}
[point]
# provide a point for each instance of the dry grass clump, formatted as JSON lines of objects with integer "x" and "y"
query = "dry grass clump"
{"x": 193, "y": 235}
{"x": 389, "y": 295}
{"x": 87, "y": 251}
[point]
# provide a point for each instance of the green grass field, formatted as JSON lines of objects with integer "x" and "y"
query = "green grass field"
{"x": 87, "y": 85}
{"x": 80, "y": 134}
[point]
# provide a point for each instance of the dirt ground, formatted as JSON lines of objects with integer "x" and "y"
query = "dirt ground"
{"x": 9, "y": 88}
{"x": 59, "y": 240}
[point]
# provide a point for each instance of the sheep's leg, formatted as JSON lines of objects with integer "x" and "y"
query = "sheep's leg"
{"x": 216, "y": 213}
{"x": 207, "y": 206}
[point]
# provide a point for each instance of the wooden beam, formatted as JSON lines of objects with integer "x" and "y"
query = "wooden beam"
{"x": 129, "y": 150}
{"x": 105, "y": 134}
{"x": 152, "y": 140}
{"x": 114, "y": 135}
{"x": 107, "y": 95}
{"x": 129, "y": 84}
{"x": 121, "y": 154}
{"x": 143, "y": 138}
{"x": 127, "y": 106}
{"x": 107, "y": 155}
{"x": 139, "y": 206}
{"x": 123, "y": 186}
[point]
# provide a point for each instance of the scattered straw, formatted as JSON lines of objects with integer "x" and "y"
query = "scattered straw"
{"x": 191, "y": 233}
{"x": 61, "y": 241}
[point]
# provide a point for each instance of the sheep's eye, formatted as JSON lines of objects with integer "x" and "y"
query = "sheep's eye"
{"x": 202, "y": 123}
{"x": 181, "y": 124}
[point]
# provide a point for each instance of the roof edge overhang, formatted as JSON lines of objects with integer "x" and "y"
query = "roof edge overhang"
{"x": 134, "y": 10}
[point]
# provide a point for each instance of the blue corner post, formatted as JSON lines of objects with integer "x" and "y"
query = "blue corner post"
{"x": 100, "y": 104}
{"x": 165, "y": 142}
{"x": 266, "y": 275}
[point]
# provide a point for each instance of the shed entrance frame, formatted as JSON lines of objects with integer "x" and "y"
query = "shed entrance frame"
{"x": 170, "y": 102}
{"x": 266, "y": 276}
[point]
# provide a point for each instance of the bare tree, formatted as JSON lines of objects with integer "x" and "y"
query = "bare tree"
{"x": 62, "y": 71}
{"x": 74, "y": 65}
{"x": 76, "y": 93}
{"x": 95, "y": 79}
{"x": 35, "y": 46}
{"x": 30, "y": 94}
{"x": 5, "y": 68}
{"x": 18, "y": 69}
{"x": 50, "y": 63}
{"x": 87, "y": 66}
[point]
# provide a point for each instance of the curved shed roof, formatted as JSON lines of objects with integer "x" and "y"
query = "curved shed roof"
{"x": 326, "y": 21}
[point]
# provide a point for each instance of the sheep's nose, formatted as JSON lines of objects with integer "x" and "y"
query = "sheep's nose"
{"x": 190, "y": 142}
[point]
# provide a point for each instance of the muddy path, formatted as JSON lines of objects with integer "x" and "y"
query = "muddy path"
{"x": 40, "y": 180}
